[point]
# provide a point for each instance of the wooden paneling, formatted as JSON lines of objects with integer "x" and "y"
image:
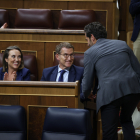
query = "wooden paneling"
{"x": 129, "y": 19}
{"x": 36, "y": 113}
{"x": 49, "y": 49}
{"x": 11, "y": 4}
{"x": 9, "y": 100}
{"x": 59, "y": 101}
{"x": 58, "y": 37}
{"x": 80, "y": 47}
{"x": 29, "y": 46}
{"x": 41, "y": 35}
{"x": 126, "y": 21}
{"x": 30, "y": 100}
{"x": 101, "y": 16}
{"x": 15, "y": 37}
{"x": 45, "y": 4}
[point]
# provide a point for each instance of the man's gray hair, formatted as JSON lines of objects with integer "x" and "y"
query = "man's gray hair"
{"x": 63, "y": 45}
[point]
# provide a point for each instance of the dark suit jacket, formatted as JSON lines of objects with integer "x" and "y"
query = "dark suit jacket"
{"x": 117, "y": 70}
{"x": 75, "y": 73}
{"x": 22, "y": 75}
{"x": 134, "y": 10}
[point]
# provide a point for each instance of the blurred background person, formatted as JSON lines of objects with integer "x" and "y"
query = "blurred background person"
{"x": 134, "y": 10}
{"x": 13, "y": 65}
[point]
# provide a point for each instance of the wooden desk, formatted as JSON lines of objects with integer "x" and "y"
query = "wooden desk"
{"x": 36, "y": 97}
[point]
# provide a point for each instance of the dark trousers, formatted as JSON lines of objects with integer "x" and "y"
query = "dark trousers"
{"x": 110, "y": 117}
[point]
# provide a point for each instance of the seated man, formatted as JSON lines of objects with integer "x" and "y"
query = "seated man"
{"x": 65, "y": 71}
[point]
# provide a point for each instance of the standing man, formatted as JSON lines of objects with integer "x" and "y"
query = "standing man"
{"x": 118, "y": 73}
{"x": 66, "y": 70}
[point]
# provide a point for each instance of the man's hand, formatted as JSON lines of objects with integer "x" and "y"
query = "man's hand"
{"x": 91, "y": 96}
{"x": 138, "y": 106}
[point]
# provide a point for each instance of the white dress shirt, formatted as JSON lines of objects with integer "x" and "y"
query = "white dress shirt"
{"x": 65, "y": 75}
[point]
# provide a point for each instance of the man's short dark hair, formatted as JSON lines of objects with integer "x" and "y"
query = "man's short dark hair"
{"x": 97, "y": 29}
{"x": 63, "y": 45}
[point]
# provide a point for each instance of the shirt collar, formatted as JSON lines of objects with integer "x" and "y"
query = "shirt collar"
{"x": 59, "y": 69}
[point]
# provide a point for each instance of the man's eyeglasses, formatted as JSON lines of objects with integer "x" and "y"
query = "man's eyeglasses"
{"x": 67, "y": 55}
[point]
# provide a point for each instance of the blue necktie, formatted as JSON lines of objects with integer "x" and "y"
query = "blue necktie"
{"x": 61, "y": 76}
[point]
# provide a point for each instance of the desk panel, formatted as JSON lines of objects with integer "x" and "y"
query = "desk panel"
{"x": 11, "y": 4}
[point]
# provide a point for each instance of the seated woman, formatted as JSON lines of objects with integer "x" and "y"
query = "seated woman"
{"x": 13, "y": 66}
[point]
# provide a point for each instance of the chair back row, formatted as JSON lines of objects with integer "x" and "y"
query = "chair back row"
{"x": 13, "y": 123}
{"x": 60, "y": 123}
{"x": 67, "y": 124}
{"x": 43, "y": 19}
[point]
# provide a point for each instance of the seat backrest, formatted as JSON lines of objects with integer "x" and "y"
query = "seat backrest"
{"x": 75, "y": 19}
{"x": 4, "y": 17}
{"x": 13, "y": 123}
{"x": 67, "y": 124}
{"x": 30, "y": 63}
{"x": 78, "y": 59}
{"x": 34, "y": 19}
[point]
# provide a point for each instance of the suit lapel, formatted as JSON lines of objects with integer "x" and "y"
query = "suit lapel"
{"x": 54, "y": 74}
{"x": 72, "y": 75}
{"x": 19, "y": 75}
